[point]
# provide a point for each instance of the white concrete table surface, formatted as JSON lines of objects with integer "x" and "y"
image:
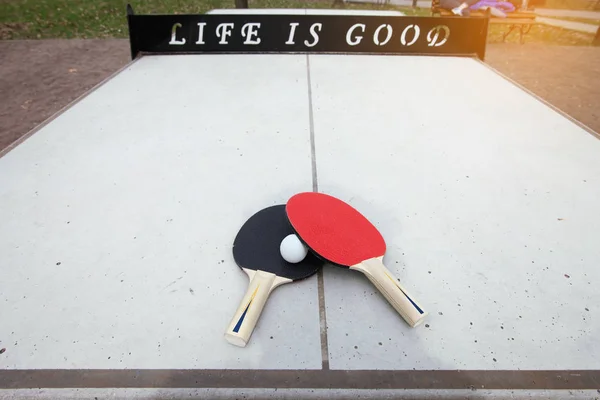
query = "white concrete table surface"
{"x": 118, "y": 217}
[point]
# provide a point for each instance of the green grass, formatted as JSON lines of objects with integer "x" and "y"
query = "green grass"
{"x": 41, "y": 19}
{"x": 30, "y": 19}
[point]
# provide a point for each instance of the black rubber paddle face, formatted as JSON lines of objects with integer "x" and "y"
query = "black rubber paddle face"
{"x": 256, "y": 246}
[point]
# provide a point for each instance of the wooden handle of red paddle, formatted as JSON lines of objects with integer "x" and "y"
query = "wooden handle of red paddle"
{"x": 398, "y": 297}
{"x": 244, "y": 320}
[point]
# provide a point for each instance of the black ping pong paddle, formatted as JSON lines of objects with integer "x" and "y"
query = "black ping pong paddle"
{"x": 256, "y": 252}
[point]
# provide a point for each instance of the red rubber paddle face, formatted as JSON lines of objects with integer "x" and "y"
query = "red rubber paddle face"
{"x": 333, "y": 229}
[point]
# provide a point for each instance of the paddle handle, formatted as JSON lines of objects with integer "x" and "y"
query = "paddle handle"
{"x": 406, "y": 305}
{"x": 244, "y": 320}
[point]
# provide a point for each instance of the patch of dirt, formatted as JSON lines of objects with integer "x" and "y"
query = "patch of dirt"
{"x": 39, "y": 77}
{"x": 7, "y": 29}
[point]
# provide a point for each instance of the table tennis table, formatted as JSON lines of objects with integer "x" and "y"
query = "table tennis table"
{"x": 118, "y": 215}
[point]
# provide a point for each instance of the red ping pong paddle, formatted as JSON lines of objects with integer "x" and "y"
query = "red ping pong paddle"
{"x": 340, "y": 234}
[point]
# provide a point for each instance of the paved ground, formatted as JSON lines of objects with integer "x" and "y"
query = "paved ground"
{"x": 296, "y": 394}
{"x": 549, "y": 12}
{"x": 566, "y": 76}
{"x": 38, "y": 78}
{"x": 575, "y": 26}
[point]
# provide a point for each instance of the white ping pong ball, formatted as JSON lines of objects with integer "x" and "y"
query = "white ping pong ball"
{"x": 292, "y": 250}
